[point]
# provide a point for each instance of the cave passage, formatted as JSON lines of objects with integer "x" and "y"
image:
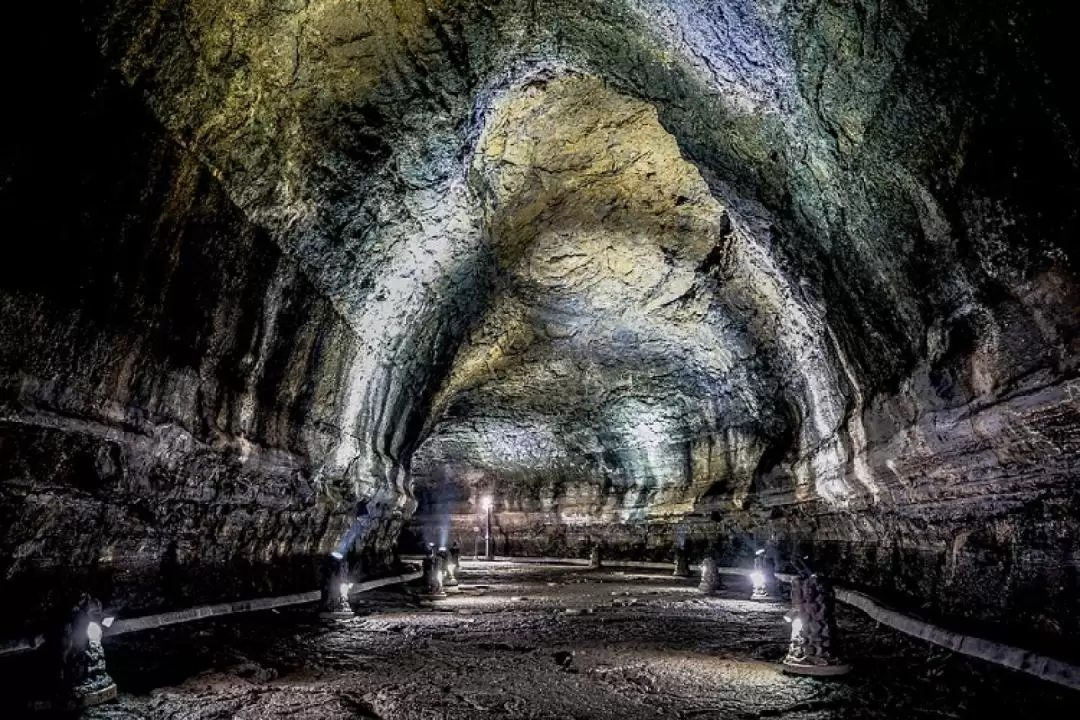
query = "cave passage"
{"x": 543, "y": 641}
{"x": 308, "y": 306}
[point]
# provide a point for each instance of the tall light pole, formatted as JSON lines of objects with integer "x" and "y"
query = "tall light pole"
{"x": 488, "y": 553}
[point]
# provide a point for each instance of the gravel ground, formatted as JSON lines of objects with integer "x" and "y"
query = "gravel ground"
{"x": 548, "y": 642}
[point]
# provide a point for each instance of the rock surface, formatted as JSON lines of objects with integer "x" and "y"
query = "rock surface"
{"x": 751, "y": 271}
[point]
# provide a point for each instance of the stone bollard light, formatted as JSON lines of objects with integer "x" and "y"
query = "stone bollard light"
{"x": 813, "y": 629}
{"x": 334, "y": 604}
{"x": 682, "y": 562}
{"x": 763, "y": 579}
{"x": 78, "y": 657}
{"x": 434, "y": 573}
{"x": 453, "y": 564}
{"x": 710, "y": 577}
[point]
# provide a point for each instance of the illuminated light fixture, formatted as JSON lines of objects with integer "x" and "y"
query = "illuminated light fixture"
{"x": 763, "y": 578}
{"x": 813, "y": 629}
{"x": 682, "y": 561}
{"x": 334, "y": 604}
{"x": 81, "y": 654}
{"x": 434, "y": 570}
{"x": 453, "y": 564}
{"x": 489, "y": 551}
{"x": 710, "y": 577}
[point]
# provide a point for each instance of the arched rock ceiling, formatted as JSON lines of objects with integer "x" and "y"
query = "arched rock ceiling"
{"x": 564, "y": 229}
{"x": 631, "y": 317}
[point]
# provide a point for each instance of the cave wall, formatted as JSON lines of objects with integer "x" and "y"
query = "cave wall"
{"x": 169, "y": 380}
{"x": 929, "y": 217}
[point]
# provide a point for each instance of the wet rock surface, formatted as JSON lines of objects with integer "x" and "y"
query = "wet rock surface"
{"x": 545, "y": 642}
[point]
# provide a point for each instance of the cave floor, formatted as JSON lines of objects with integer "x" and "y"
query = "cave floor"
{"x": 651, "y": 648}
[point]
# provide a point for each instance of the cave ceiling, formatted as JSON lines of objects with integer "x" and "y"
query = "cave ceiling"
{"x": 603, "y": 237}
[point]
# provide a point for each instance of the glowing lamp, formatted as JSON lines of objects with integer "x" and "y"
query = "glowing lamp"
{"x": 90, "y": 683}
{"x": 813, "y": 629}
{"x": 763, "y": 578}
{"x": 336, "y": 555}
{"x": 486, "y": 502}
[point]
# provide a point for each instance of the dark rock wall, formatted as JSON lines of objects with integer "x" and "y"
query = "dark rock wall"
{"x": 168, "y": 379}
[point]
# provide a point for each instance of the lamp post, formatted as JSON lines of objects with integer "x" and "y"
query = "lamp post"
{"x": 489, "y": 553}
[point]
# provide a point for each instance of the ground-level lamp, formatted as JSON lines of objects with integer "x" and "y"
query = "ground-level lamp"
{"x": 812, "y": 650}
{"x": 489, "y": 551}
{"x": 434, "y": 572}
{"x": 710, "y": 577}
{"x": 453, "y": 563}
{"x": 595, "y": 561}
{"x": 682, "y": 559}
{"x": 78, "y": 658}
{"x": 335, "y": 587}
{"x": 763, "y": 578}
{"x": 95, "y": 685}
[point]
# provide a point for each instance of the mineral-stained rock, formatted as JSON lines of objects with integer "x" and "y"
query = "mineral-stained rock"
{"x": 798, "y": 273}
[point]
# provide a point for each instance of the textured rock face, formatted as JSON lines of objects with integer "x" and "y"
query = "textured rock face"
{"x": 170, "y": 381}
{"x": 788, "y": 271}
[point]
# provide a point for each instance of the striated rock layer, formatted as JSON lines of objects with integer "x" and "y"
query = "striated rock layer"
{"x": 743, "y": 271}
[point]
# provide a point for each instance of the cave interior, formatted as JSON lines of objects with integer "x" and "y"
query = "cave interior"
{"x": 552, "y": 298}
